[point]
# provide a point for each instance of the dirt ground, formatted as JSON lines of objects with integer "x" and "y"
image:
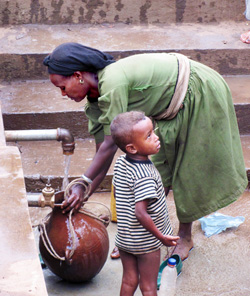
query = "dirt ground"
{"x": 218, "y": 265}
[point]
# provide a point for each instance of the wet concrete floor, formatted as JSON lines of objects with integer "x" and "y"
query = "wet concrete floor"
{"x": 218, "y": 265}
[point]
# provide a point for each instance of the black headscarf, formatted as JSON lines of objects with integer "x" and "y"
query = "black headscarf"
{"x": 70, "y": 57}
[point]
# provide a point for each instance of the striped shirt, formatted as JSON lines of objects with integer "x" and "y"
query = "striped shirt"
{"x": 136, "y": 181}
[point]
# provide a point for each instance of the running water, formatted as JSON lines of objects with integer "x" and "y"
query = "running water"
{"x": 67, "y": 159}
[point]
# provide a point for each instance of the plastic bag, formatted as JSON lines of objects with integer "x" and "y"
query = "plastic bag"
{"x": 216, "y": 223}
{"x": 247, "y": 11}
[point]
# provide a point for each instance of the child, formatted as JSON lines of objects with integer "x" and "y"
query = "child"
{"x": 142, "y": 218}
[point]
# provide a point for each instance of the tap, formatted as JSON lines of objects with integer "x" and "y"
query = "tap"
{"x": 68, "y": 143}
{"x": 46, "y": 199}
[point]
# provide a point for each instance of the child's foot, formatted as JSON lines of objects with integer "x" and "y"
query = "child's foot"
{"x": 245, "y": 37}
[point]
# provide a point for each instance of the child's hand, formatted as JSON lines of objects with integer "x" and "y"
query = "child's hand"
{"x": 169, "y": 240}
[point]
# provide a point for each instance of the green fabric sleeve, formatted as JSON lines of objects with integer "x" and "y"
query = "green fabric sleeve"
{"x": 93, "y": 113}
{"x": 113, "y": 102}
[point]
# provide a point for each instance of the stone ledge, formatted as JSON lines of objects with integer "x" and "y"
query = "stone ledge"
{"x": 37, "y": 104}
{"x": 212, "y": 44}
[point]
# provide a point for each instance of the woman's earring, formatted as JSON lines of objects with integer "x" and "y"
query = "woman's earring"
{"x": 81, "y": 81}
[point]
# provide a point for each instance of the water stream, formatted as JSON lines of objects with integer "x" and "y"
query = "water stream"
{"x": 67, "y": 159}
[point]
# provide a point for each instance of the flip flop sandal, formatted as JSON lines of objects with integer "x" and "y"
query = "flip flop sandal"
{"x": 247, "y": 41}
{"x": 245, "y": 37}
{"x": 165, "y": 263}
{"x": 188, "y": 256}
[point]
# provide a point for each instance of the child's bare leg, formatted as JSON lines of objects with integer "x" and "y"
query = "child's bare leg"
{"x": 148, "y": 265}
{"x": 130, "y": 278}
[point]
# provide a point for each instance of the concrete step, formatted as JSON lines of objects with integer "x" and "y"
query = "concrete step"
{"x": 37, "y": 104}
{"x": 136, "y": 12}
{"x": 44, "y": 160}
{"x": 240, "y": 88}
{"x": 22, "y": 48}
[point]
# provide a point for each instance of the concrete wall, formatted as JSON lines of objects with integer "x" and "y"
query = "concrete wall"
{"x": 20, "y": 269}
{"x": 126, "y": 11}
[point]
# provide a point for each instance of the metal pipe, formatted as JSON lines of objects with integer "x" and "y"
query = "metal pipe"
{"x": 34, "y": 201}
{"x": 59, "y": 134}
{"x": 68, "y": 143}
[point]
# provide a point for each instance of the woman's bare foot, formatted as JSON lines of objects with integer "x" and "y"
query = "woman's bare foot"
{"x": 184, "y": 246}
{"x": 245, "y": 37}
{"x": 185, "y": 243}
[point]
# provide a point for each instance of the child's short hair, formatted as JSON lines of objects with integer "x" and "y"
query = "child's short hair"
{"x": 122, "y": 127}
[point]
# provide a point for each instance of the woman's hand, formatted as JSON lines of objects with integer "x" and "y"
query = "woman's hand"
{"x": 105, "y": 152}
{"x": 75, "y": 200}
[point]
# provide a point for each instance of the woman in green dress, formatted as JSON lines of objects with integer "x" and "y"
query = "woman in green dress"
{"x": 201, "y": 156}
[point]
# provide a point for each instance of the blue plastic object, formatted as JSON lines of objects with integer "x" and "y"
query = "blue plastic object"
{"x": 247, "y": 11}
{"x": 171, "y": 261}
{"x": 216, "y": 223}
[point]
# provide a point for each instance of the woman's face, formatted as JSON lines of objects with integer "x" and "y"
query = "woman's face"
{"x": 77, "y": 86}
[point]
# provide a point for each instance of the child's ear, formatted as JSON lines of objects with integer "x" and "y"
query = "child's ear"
{"x": 130, "y": 148}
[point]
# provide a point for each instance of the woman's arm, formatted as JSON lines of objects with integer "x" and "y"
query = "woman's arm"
{"x": 105, "y": 152}
{"x": 146, "y": 221}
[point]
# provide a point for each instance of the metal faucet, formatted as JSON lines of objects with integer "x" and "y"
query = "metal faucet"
{"x": 47, "y": 199}
{"x": 59, "y": 134}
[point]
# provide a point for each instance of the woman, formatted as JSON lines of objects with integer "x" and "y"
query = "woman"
{"x": 200, "y": 156}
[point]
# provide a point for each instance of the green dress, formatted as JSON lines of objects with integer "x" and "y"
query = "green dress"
{"x": 201, "y": 155}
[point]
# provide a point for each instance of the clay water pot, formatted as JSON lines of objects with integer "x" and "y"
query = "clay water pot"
{"x": 89, "y": 244}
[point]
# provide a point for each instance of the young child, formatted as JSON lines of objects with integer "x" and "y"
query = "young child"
{"x": 143, "y": 225}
